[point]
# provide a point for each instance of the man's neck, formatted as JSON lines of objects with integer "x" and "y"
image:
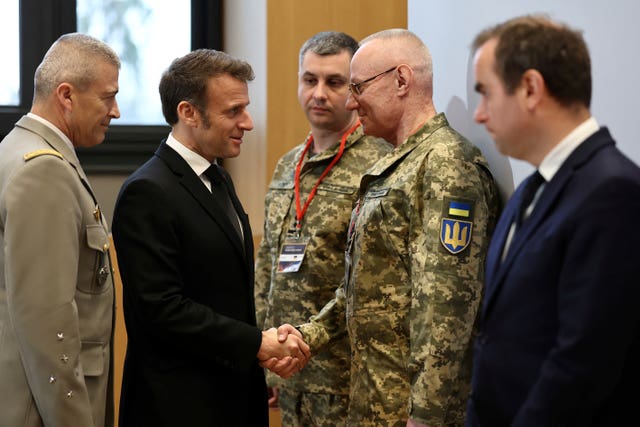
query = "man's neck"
{"x": 556, "y": 124}
{"x": 324, "y": 139}
{"x": 412, "y": 121}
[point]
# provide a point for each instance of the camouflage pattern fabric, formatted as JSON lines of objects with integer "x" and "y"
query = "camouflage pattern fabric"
{"x": 295, "y": 297}
{"x": 313, "y": 409}
{"x": 411, "y": 296}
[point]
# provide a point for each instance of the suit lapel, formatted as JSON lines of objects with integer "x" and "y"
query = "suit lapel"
{"x": 194, "y": 186}
{"x": 497, "y": 271}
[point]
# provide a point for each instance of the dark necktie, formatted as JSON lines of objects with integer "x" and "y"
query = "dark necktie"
{"x": 529, "y": 190}
{"x": 222, "y": 194}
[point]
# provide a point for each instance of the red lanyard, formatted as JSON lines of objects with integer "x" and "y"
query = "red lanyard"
{"x": 301, "y": 211}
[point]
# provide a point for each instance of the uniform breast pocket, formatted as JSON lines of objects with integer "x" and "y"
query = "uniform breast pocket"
{"x": 96, "y": 275}
{"x": 92, "y": 358}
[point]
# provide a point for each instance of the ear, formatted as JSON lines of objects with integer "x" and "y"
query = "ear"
{"x": 64, "y": 93}
{"x": 188, "y": 114}
{"x": 403, "y": 78}
{"x": 534, "y": 87}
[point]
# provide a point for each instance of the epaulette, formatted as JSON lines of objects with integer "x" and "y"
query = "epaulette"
{"x": 41, "y": 152}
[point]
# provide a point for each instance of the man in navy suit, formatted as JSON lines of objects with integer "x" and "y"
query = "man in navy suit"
{"x": 559, "y": 327}
{"x": 186, "y": 258}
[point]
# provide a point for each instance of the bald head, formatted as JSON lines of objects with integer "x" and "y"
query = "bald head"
{"x": 397, "y": 46}
{"x": 392, "y": 84}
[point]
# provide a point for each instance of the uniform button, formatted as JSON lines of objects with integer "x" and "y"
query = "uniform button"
{"x": 105, "y": 247}
{"x": 70, "y": 394}
{"x": 64, "y": 358}
{"x": 60, "y": 336}
{"x": 52, "y": 379}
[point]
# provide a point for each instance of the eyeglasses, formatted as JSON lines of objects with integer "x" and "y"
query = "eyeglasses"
{"x": 354, "y": 88}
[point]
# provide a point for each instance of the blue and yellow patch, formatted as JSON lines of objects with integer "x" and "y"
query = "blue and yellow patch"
{"x": 457, "y": 225}
{"x": 460, "y": 209}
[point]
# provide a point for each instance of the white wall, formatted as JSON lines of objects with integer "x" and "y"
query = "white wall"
{"x": 610, "y": 29}
{"x": 245, "y": 37}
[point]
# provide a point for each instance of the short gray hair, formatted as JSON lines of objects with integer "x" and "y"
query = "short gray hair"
{"x": 328, "y": 43}
{"x": 73, "y": 58}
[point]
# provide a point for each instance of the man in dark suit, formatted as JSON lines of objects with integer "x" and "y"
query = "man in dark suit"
{"x": 186, "y": 257}
{"x": 559, "y": 336}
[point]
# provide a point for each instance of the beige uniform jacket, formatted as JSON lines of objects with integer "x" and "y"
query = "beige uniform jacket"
{"x": 56, "y": 291}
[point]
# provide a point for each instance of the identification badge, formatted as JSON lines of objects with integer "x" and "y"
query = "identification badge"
{"x": 291, "y": 255}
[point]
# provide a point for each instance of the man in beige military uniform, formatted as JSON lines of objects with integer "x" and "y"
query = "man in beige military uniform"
{"x": 307, "y": 212}
{"x": 416, "y": 247}
{"x": 56, "y": 291}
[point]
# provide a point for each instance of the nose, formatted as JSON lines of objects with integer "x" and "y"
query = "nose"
{"x": 115, "y": 111}
{"x": 352, "y": 102}
{"x": 479, "y": 115}
{"x": 319, "y": 91}
{"x": 247, "y": 121}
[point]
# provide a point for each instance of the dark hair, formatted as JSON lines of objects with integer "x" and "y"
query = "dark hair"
{"x": 536, "y": 42}
{"x": 187, "y": 77}
{"x": 329, "y": 43}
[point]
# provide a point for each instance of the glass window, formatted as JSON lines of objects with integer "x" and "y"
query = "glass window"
{"x": 10, "y": 53}
{"x": 147, "y": 35}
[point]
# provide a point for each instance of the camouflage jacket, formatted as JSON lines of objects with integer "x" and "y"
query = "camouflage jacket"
{"x": 420, "y": 234}
{"x": 295, "y": 297}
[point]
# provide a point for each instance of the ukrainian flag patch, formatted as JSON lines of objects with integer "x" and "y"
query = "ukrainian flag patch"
{"x": 460, "y": 209}
{"x": 456, "y": 225}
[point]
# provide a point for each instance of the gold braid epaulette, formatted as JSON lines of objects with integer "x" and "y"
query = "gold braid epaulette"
{"x": 42, "y": 152}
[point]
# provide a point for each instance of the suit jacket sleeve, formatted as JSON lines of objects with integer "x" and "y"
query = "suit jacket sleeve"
{"x": 43, "y": 237}
{"x": 148, "y": 243}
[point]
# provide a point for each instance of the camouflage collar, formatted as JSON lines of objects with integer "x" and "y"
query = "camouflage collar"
{"x": 436, "y": 122}
{"x": 330, "y": 152}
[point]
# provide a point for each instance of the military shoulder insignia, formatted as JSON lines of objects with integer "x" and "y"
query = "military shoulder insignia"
{"x": 457, "y": 224}
{"x": 42, "y": 152}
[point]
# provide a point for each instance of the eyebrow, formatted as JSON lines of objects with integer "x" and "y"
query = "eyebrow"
{"x": 113, "y": 92}
{"x": 330, "y": 76}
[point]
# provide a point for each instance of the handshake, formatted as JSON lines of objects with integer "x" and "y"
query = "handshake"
{"x": 283, "y": 351}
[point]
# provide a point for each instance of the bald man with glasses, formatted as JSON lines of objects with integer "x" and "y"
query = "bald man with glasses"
{"x": 416, "y": 247}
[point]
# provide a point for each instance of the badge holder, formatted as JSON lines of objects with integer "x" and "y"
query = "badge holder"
{"x": 293, "y": 250}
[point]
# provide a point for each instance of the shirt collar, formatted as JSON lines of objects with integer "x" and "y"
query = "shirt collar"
{"x": 58, "y": 132}
{"x": 195, "y": 161}
{"x": 556, "y": 157}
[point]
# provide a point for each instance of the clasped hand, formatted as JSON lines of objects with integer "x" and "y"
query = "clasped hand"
{"x": 283, "y": 351}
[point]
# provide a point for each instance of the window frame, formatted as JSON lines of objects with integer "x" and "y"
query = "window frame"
{"x": 125, "y": 147}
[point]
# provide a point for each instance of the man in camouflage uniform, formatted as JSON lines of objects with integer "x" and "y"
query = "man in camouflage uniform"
{"x": 417, "y": 243}
{"x": 292, "y": 291}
